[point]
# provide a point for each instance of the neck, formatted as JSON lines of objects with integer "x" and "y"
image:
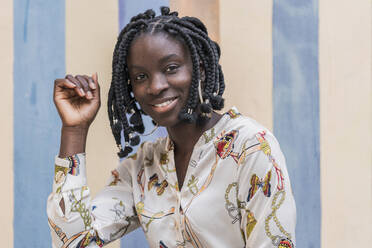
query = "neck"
{"x": 185, "y": 136}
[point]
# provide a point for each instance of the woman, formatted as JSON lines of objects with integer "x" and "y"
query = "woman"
{"x": 215, "y": 181}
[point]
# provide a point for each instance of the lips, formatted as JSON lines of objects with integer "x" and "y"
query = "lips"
{"x": 162, "y": 100}
{"x": 164, "y": 104}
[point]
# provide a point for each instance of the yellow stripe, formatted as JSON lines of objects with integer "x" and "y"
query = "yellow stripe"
{"x": 346, "y": 122}
{"x": 246, "y": 45}
{"x": 6, "y": 126}
{"x": 91, "y": 32}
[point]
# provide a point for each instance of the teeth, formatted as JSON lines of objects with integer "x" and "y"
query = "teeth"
{"x": 164, "y": 103}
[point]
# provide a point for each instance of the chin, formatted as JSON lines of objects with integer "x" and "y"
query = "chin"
{"x": 166, "y": 119}
{"x": 169, "y": 121}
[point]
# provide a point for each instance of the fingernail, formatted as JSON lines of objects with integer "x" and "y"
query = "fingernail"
{"x": 92, "y": 85}
{"x": 89, "y": 95}
{"x": 82, "y": 91}
{"x": 70, "y": 83}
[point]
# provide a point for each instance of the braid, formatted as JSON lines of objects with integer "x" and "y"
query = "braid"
{"x": 203, "y": 52}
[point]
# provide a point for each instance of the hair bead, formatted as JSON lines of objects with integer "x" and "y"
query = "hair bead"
{"x": 134, "y": 139}
{"x": 135, "y": 118}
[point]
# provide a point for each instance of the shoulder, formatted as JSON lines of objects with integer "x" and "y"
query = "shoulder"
{"x": 246, "y": 129}
{"x": 250, "y": 143}
{"x": 258, "y": 151}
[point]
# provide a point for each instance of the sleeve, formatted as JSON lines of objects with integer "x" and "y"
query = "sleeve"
{"x": 265, "y": 198}
{"x": 77, "y": 221}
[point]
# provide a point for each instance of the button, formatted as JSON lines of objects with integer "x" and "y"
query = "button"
{"x": 193, "y": 163}
{"x": 181, "y": 210}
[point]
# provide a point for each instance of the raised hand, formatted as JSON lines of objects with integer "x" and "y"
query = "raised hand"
{"x": 77, "y": 99}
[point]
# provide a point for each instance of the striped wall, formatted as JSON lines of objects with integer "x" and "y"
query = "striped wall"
{"x": 296, "y": 108}
{"x": 91, "y": 31}
{"x": 247, "y": 57}
{"x": 301, "y": 68}
{"x": 345, "y": 58}
{"x": 39, "y": 58}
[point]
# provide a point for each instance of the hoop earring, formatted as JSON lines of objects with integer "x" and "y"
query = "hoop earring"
{"x": 206, "y": 110}
{"x": 200, "y": 92}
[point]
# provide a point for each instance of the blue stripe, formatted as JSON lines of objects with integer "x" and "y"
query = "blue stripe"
{"x": 127, "y": 9}
{"x": 296, "y": 108}
{"x": 39, "y": 58}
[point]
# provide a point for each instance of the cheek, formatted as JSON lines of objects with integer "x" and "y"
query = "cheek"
{"x": 183, "y": 80}
{"x": 138, "y": 96}
{"x": 137, "y": 92}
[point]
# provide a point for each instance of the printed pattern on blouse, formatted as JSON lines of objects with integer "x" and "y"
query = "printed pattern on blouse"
{"x": 85, "y": 237}
{"x": 277, "y": 240}
{"x": 236, "y": 194}
{"x": 70, "y": 167}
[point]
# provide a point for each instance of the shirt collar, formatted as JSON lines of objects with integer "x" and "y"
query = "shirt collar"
{"x": 217, "y": 128}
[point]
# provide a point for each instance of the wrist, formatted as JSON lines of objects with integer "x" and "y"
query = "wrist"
{"x": 73, "y": 140}
{"x": 76, "y": 130}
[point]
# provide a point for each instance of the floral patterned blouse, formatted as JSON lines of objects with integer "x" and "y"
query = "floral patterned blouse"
{"x": 236, "y": 194}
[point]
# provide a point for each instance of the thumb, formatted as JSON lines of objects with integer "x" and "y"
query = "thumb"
{"x": 95, "y": 78}
{"x": 96, "y": 92}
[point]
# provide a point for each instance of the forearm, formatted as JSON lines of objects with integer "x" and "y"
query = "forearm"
{"x": 71, "y": 215}
{"x": 73, "y": 141}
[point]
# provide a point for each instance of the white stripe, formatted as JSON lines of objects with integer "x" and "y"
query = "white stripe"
{"x": 346, "y": 122}
{"x": 6, "y": 124}
{"x": 91, "y": 33}
{"x": 246, "y": 45}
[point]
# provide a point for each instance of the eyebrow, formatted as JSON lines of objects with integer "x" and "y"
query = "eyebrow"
{"x": 162, "y": 60}
{"x": 165, "y": 58}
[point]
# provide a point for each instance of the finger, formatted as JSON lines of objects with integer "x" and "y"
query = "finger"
{"x": 85, "y": 85}
{"x": 90, "y": 81}
{"x": 95, "y": 79}
{"x": 64, "y": 83}
{"x": 91, "y": 84}
{"x": 78, "y": 89}
{"x": 63, "y": 88}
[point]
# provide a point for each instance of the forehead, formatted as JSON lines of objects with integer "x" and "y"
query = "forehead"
{"x": 149, "y": 46}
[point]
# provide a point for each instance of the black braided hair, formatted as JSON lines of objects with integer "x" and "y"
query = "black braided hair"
{"x": 193, "y": 33}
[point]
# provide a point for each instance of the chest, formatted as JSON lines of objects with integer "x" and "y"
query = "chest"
{"x": 185, "y": 215}
{"x": 181, "y": 164}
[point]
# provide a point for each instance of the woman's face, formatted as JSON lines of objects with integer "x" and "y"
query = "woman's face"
{"x": 160, "y": 73}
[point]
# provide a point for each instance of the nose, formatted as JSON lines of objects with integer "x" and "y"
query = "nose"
{"x": 158, "y": 84}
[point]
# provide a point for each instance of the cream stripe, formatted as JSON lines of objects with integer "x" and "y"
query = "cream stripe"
{"x": 91, "y": 31}
{"x": 207, "y": 11}
{"x": 6, "y": 124}
{"x": 246, "y": 44}
{"x": 346, "y": 122}
{"x": 244, "y": 31}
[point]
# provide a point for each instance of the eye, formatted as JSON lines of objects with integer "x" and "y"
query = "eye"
{"x": 139, "y": 77}
{"x": 172, "y": 68}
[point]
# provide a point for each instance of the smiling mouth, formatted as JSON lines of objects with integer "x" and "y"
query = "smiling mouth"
{"x": 165, "y": 106}
{"x": 164, "y": 103}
